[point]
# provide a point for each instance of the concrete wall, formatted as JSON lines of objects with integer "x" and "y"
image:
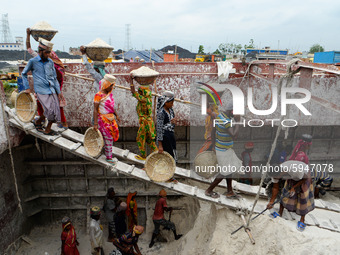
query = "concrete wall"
{"x": 13, "y": 223}
{"x": 181, "y": 78}
{"x": 54, "y": 183}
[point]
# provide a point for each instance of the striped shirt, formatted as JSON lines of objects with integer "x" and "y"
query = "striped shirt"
{"x": 224, "y": 140}
{"x": 322, "y": 178}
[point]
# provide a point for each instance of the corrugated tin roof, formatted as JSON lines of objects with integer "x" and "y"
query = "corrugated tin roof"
{"x": 156, "y": 56}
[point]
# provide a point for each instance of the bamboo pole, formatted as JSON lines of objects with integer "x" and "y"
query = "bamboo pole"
{"x": 122, "y": 87}
{"x": 247, "y": 230}
{"x": 155, "y": 99}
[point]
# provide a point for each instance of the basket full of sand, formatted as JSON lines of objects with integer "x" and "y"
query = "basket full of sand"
{"x": 43, "y": 30}
{"x": 98, "y": 50}
{"x": 144, "y": 75}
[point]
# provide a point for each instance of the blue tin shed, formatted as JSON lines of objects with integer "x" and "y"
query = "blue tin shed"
{"x": 328, "y": 57}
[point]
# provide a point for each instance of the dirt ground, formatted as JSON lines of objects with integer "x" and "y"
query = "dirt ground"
{"x": 209, "y": 234}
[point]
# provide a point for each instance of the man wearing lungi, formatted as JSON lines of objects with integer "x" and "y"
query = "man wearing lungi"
{"x": 46, "y": 85}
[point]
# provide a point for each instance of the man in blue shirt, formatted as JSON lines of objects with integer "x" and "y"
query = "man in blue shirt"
{"x": 46, "y": 85}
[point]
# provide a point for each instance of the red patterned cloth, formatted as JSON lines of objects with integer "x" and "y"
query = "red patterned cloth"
{"x": 70, "y": 237}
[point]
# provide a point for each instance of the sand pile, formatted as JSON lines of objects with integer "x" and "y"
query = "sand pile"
{"x": 98, "y": 43}
{"x": 43, "y": 26}
{"x": 144, "y": 72}
{"x": 206, "y": 230}
{"x": 211, "y": 235}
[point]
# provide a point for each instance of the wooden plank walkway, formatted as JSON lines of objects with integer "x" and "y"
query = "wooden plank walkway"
{"x": 189, "y": 174}
{"x": 63, "y": 142}
{"x": 72, "y": 141}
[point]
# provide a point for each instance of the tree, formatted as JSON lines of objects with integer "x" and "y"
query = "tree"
{"x": 250, "y": 45}
{"x": 223, "y": 48}
{"x": 201, "y": 49}
{"x": 316, "y": 48}
{"x": 238, "y": 47}
{"x": 217, "y": 52}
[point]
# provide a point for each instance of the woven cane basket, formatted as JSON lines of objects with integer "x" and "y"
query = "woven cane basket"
{"x": 93, "y": 142}
{"x": 47, "y": 35}
{"x": 13, "y": 97}
{"x": 160, "y": 167}
{"x": 145, "y": 80}
{"x": 25, "y": 106}
{"x": 98, "y": 53}
{"x": 205, "y": 161}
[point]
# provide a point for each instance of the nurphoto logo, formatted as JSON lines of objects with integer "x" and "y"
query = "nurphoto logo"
{"x": 239, "y": 104}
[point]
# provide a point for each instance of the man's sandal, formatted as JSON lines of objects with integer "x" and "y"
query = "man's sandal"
{"x": 212, "y": 194}
{"x": 51, "y": 133}
{"x": 231, "y": 195}
{"x": 301, "y": 226}
{"x": 60, "y": 125}
{"x": 38, "y": 127}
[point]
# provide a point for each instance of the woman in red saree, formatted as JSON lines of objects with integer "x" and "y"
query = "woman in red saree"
{"x": 131, "y": 210}
{"x": 105, "y": 117}
{"x": 68, "y": 238}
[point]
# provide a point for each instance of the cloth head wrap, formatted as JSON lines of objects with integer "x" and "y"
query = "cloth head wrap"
{"x": 107, "y": 81}
{"x": 100, "y": 65}
{"x": 66, "y": 221}
{"x": 95, "y": 210}
{"x": 138, "y": 229}
{"x": 44, "y": 44}
{"x": 167, "y": 96}
{"x": 122, "y": 207}
{"x": 249, "y": 145}
{"x": 302, "y": 143}
{"x": 162, "y": 193}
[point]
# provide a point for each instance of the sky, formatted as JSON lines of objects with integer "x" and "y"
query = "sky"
{"x": 294, "y": 25}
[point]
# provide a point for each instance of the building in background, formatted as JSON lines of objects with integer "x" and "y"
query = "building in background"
{"x": 170, "y": 56}
{"x": 266, "y": 54}
{"x": 18, "y": 45}
{"x": 74, "y": 51}
{"x": 327, "y": 57}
